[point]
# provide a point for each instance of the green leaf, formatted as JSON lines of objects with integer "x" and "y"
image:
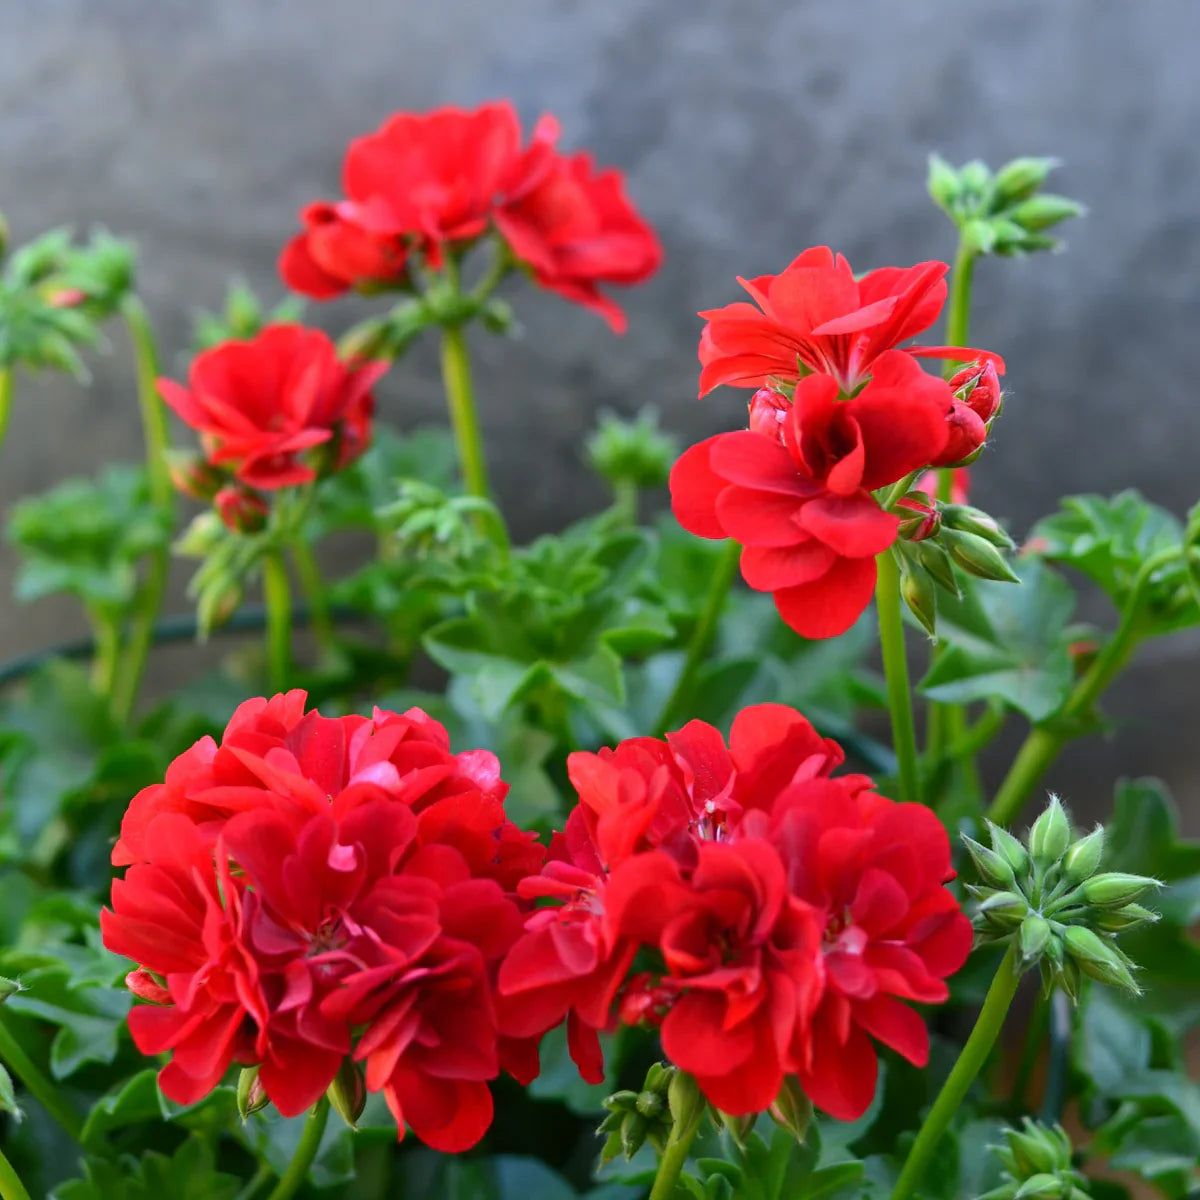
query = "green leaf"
{"x": 8, "y": 1099}
{"x": 189, "y": 1174}
{"x": 1006, "y": 643}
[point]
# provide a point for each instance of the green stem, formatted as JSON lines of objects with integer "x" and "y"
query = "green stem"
{"x": 256, "y": 1181}
{"x": 625, "y": 500}
{"x": 314, "y": 594}
{"x": 460, "y": 399}
{"x": 154, "y": 434}
{"x": 277, "y": 595}
{"x": 1044, "y": 742}
{"x": 37, "y": 1085}
{"x": 670, "y": 1166}
{"x": 306, "y": 1151}
{"x": 895, "y": 670}
{"x": 107, "y": 657}
{"x": 6, "y": 400}
{"x": 11, "y": 1187}
{"x": 970, "y": 1063}
{"x": 958, "y": 317}
{"x": 723, "y": 576}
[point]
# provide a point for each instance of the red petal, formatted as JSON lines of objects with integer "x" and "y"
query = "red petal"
{"x": 854, "y": 526}
{"x": 841, "y": 1080}
{"x": 895, "y": 1025}
{"x": 756, "y": 518}
{"x": 830, "y": 605}
{"x": 769, "y": 568}
{"x": 694, "y": 491}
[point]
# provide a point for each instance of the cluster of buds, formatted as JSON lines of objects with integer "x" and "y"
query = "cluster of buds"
{"x": 426, "y": 523}
{"x": 631, "y": 453}
{"x": 648, "y": 1115}
{"x": 347, "y": 1094}
{"x": 933, "y": 539}
{"x": 1049, "y": 899}
{"x": 1003, "y": 213}
{"x": 241, "y": 509}
{"x": 1037, "y": 1165}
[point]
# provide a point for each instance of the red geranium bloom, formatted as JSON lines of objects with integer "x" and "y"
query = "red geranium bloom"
{"x": 314, "y": 888}
{"x": 771, "y": 918}
{"x": 261, "y": 405}
{"x": 575, "y": 228}
{"x": 816, "y": 316}
{"x": 798, "y": 497}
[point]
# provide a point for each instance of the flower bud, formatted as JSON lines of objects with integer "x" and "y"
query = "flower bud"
{"x": 993, "y": 868}
{"x": 1083, "y": 856}
{"x": 1019, "y": 179}
{"x": 936, "y": 561}
{"x": 1041, "y": 1187}
{"x": 943, "y": 183}
{"x": 1118, "y": 920}
{"x": 978, "y": 387}
{"x": 1037, "y": 1150}
{"x": 768, "y": 411}
{"x": 650, "y": 1104}
{"x": 348, "y": 1093}
{"x": 241, "y": 510}
{"x": 194, "y": 475}
{"x": 738, "y": 1127}
{"x": 1035, "y": 933}
{"x": 918, "y": 592}
{"x": 685, "y": 1100}
{"x": 1115, "y": 889}
{"x": 1098, "y": 958}
{"x": 792, "y": 1109}
{"x": 216, "y": 602}
{"x": 634, "y": 1128}
{"x": 251, "y": 1097}
{"x": 925, "y": 521}
{"x": 1041, "y": 212}
{"x": 8, "y": 987}
{"x": 1050, "y": 834}
{"x": 1006, "y": 910}
{"x": 977, "y": 556}
{"x": 1009, "y": 848}
{"x": 968, "y": 432}
{"x": 633, "y": 451}
{"x": 202, "y": 536}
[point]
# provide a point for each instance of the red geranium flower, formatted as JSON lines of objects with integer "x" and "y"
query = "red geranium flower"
{"x": 767, "y": 915}
{"x": 798, "y": 496}
{"x": 314, "y": 888}
{"x": 816, "y": 316}
{"x": 261, "y": 405}
{"x": 575, "y": 228}
{"x": 423, "y": 182}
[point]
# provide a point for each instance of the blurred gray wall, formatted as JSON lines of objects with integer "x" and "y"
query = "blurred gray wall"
{"x": 748, "y": 130}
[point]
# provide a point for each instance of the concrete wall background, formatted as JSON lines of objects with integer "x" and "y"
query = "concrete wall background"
{"x": 747, "y": 130}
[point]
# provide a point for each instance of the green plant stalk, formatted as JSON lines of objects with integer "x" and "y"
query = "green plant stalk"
{"x": 670, "y": 1166}
{"x": 895, "y": 671}
{"x": 970, "y": 1063}
{"x": 11, "y": 1187}
{"x": 277, "y": 596}
{"x": 464, "y": 419}
{"x": 703, "y": 635}
{"x": 1042, "y": 746}
{"x": 306, "y": 1151}
{"x": 154, "y": 433}
{"x": 313, "y": 587}
{"x": 107, "y": 658}
{"x": 37, "y": 1085}
{"x": 257, "y": 1180}
{"x": 6, "y": 401}
{"x": 625, "y": 500}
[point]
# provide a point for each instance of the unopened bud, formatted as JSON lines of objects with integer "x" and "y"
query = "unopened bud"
{"x": 1119, "y": 920}
{"x": 967, "y": 433}
{"x": 978, "y": 387}
{"x": 251, "y": 1097}
{"x": 977, "y": 556}
{"x": 633, "y": 1133}
{"x": 1041, "y": 212}
{"x": 1009, "y": 848}
{"x": 1041, "y": 1187}
{"x": 974, "y": 520}
{"x": 1115, "y": 889}
{"x": 943, "y": 183}
{"x": 738, "y": 1127}
{"x": 1006, "y": 910}
{"x": 792, "y": 1109}
{"x": 348, "y": 1093}
{"x": 685, "y": 1100}
{"x": 1098, "y": 958}
{"x": 936, "y": 561}
{"x": 241, "y": 510}
{"x": 1083, "y": 856}
{"x": 992, "y": 867}
{"x": 1020, "y": 178}
{"x": 194, "y": 475}
{"x": 1050, "y": 835}
{"x": 768, "y": 412}
{"x": 1035, "y": 933}
{"x": 8, "y": 987}
{"x": 216, "y": 603}
{"x": 918, "y": 591}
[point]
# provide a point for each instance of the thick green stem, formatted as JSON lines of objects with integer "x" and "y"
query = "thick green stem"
{"x": 1044, "y": 742}
{"x": 277, "y": 596}
{"x": 670, "y": 1166}
{"x": 970, "y": 1063}
{"x": 11, "y": 1187}
{"x": 723, "y": 576}
{"x": 306, "y": 1151}
{"x": 154, "y": 434}
{"x": 625, "y": 500}
{"x": 895, "y": 670}
{"x": 37, "y": 1085}
{"x": 6, "y": 400}
{"x": 107, "y": 657}
{"x": 460, "y": 399}
{"x": 314, "y": 594}
{"x": 958, "y": 317}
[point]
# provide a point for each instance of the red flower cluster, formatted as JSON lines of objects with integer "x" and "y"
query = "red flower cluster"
{"x": 815, "y": 316}
{"x": 422, "y": 183}
{"x": 778, "y": 918}
{"x": 795, "y": 489}
{"x": 314, "y": 888}
{"x": 262, "y": 405}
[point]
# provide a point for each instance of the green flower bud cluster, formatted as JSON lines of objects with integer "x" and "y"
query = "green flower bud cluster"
{"x": 633, "y": 452}
{"x": 1004, "y": 212}
{"x": 242, "y": 318}
{"x": 428, "y": 524}
{"x": 1037, "y": 1165}
{"x": 635, "y": 1118}
{"x": 948, "y": 535}
{"x": 1049, "y": 898}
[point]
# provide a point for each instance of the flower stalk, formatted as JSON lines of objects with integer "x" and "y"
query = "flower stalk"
{"x": 13, "y": 1055}
{"x": 464, "y": 419}
{"x": 306, "y": 1152}
{"x": 6, "y": 401}
{"x": 277, "y": 596}
{"x": 895, "y": 670}
{"x": 970, "y": 1063}
{"x": 11, "y": 1187}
